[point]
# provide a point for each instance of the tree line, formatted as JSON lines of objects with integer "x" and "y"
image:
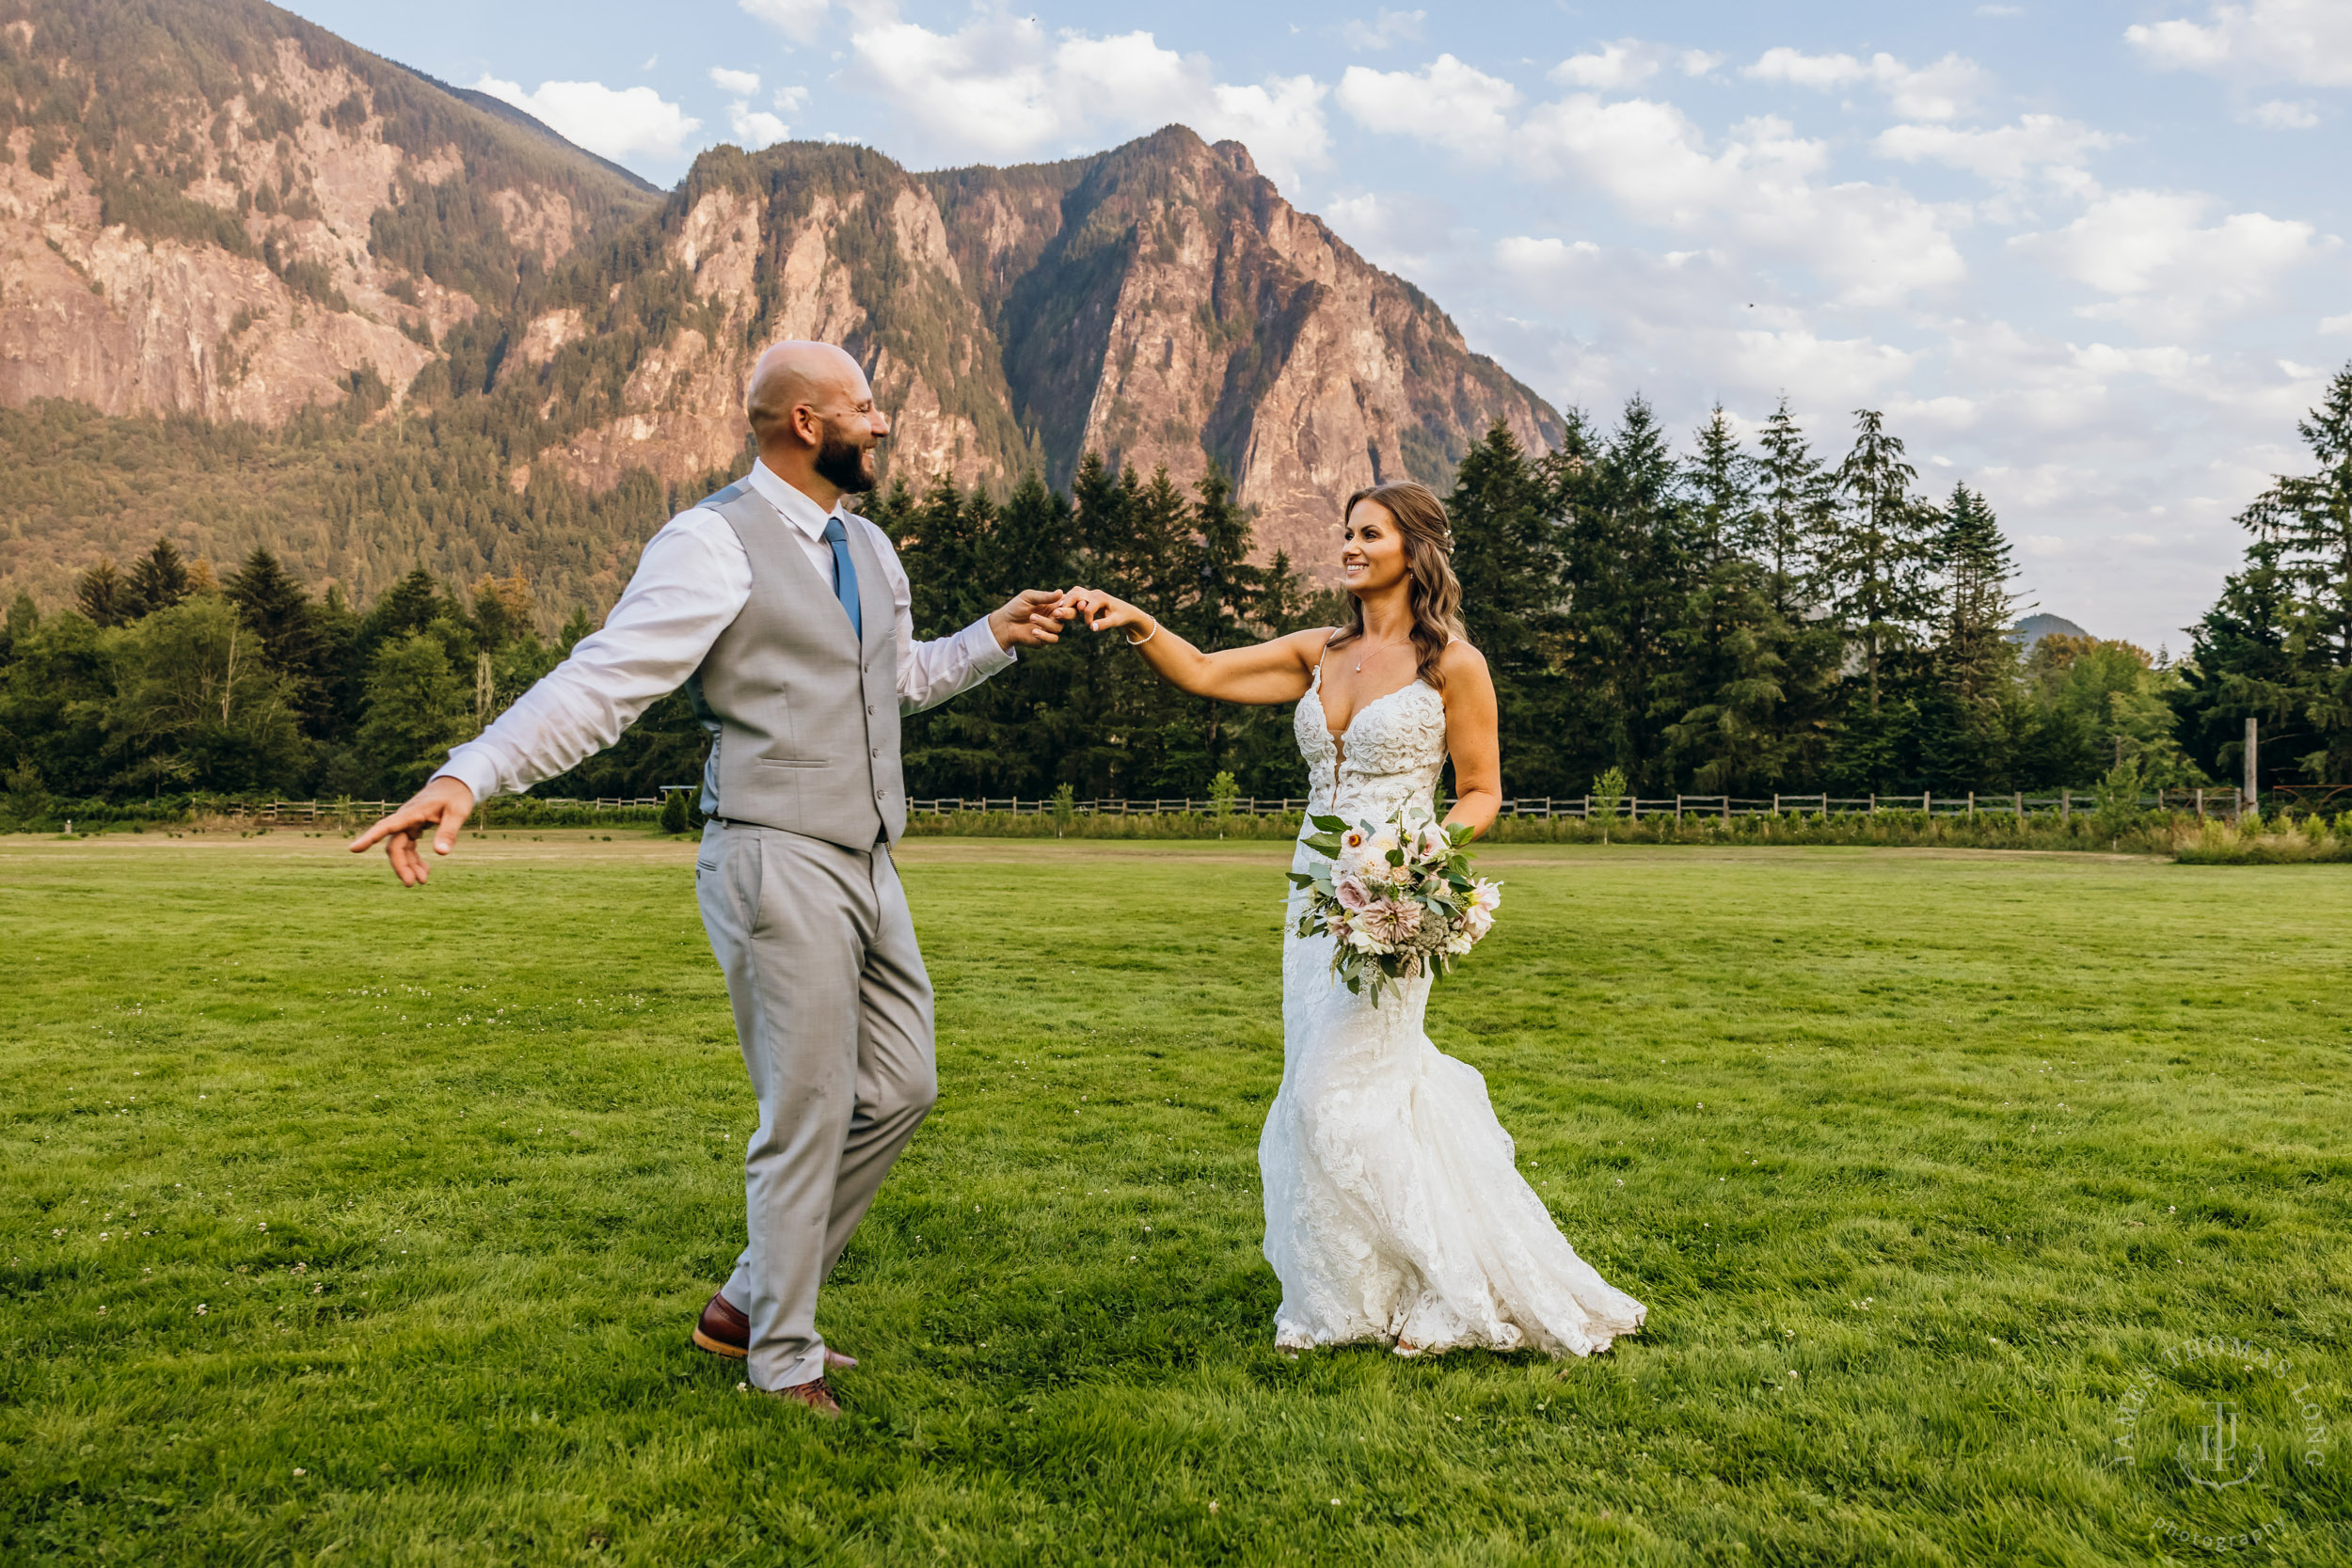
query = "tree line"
{"x": 1737, "y": 618}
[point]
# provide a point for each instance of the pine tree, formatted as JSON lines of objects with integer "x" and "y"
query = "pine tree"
{"x": 1626, "y": 576}
{"x": 1796, "y": 514}
{"x": 2308, "y": 517}
{"x": 101, "y": 596}
{"x": 1877, "y": 563}
{"x": 2238, "y": 664}
{"x": 159, "y": 580}
{"x": 1719, "y": 487}
{"x": 1965, "y": 739}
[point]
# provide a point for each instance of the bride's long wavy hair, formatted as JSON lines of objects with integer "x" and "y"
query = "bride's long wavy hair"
{"x": 1436, "y": 594}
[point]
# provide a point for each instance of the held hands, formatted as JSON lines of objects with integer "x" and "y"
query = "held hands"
{"x": 443, "y": 805}
{"x": 1103, "y": 611}
{"x": 1031, "y": 618}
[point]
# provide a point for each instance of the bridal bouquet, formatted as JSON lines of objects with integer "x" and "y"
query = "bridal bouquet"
{"x": 1397, "y": 900}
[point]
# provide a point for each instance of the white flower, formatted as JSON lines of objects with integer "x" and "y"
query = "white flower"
{"x": 1485, "y": 896}
{"x": 1459, "y": 943}
{"x": 1477, "y": 922}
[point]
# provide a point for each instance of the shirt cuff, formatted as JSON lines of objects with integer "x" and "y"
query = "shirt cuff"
{"x": 980, "y": 646}
{"x": 473, "y": 767}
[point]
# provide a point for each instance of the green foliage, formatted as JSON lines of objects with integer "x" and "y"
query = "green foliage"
{"x": 674, "y": 811}
{"x": 2278, "y": 646}
{"x": 198, "y": 706}
{"x": 1222, "y": 793}
{"x": 417, "y": 710}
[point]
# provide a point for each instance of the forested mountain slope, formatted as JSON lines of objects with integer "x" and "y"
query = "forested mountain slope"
{"x": 331, "y": 307}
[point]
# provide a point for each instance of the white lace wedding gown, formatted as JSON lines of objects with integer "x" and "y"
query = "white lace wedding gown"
{"x": 1393, "y": 1210}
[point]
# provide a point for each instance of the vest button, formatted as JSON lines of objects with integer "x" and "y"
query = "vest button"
{"x": 870, "y": 707}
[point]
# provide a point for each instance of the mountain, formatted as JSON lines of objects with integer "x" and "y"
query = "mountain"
{"x": 1160, "y": 304}
{"x": 222, "y": 210}
{"x": 259, "y": 286}
{"x": 2033, "y": 629}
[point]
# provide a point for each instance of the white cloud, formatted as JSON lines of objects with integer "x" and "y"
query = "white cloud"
{"x": 2152, "y": 252}
{"x": 610, "y": 123}
{"x": 1941, "y": 90}
{"x": 788, "y": 100}
{"x": 2004, "y": 153}
{"x": 2296, "y": 41}
{"x": 799, "y": 20}
{"x": 2280, "y": 115}
{"x": 1446, "y": 101}
{"x": 1874, "y": 243}
{"x": 2337, "y": 324}
{"x": 1384, "y": 30}
{"x": 1626, "y": 63}
{"x": 742, "y": 84}
{"x": 753, "y": 129}
{"x": 1002, "y": 88}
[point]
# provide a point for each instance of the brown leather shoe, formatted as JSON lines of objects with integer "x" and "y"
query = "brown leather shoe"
{"x": 724, "y": 1331}
{"x": 814, "y": 1394}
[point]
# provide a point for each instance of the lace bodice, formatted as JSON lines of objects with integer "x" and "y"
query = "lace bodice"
{"x": 1392, "y": 751}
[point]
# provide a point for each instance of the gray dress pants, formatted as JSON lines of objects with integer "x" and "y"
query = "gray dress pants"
{"x": 833, "y": 1012}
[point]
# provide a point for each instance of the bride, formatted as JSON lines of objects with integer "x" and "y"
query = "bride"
{"x": 1393, "y": 1210}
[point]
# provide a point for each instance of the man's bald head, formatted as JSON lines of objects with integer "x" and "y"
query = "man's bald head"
{"x": 794, "y": 372}
{"x": 812, "y": 414}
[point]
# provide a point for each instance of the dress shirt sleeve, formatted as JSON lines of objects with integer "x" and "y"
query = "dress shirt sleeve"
{"x": 690, "y": 584}
{"x": 930, "y": 672}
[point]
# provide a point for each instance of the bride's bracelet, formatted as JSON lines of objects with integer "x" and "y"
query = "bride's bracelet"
{"x": 1140, "y": 641}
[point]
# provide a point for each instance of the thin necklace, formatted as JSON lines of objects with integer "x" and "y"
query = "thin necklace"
{"x": 1360, "y": 659}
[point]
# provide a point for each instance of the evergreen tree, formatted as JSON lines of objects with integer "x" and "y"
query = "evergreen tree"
{"x": 2239, "y": 664}
{"x": 102, "y": 595}
{"x": 2308, "y": 517}
{"x": 417, "y": 710}
{"x": 1720, "y": 497}
{"x": 280, "y": 615}
{"x": 159, "y": 580}
{"x": 1797, "y": 513}
{"x": 1730, "y": 668}
{"x": 198, "y": 706}
{"x": 1877, "y": 563}
{"x": 1966, "y": 738}
{"x": 1508, "y": 553}
{"x": 1626, "y": 576}
{"x": 24, "y": 620}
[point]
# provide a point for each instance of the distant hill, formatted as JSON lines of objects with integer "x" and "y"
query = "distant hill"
{"x": 383, "y": 322}
{"x": 2033, "y": 629}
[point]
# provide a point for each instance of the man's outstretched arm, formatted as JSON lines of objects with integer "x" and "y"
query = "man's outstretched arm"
{"x": 690, "y": 584}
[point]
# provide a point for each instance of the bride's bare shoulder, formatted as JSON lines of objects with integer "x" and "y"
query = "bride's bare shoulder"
{"x": 1461, "y": 658}
{"x": 1306, "y": 647}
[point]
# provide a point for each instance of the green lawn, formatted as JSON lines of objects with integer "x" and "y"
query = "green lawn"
{"x": 348, "y": 1225}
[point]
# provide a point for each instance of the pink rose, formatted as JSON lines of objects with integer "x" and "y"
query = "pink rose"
{"x": 1351, "y": 893}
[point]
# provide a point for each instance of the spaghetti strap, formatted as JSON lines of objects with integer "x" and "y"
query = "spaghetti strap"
{"x": 1327, "y": 636}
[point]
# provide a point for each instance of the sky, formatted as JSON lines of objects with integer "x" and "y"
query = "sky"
{"x": 2089, "y": 258}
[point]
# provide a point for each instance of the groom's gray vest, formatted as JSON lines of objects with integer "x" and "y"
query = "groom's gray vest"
{"x": 803, "y": 713}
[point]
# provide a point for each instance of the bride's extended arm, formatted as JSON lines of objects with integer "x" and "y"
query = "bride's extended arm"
{"x": 1469, "y": 733}
{"x": 1271, "y": 671}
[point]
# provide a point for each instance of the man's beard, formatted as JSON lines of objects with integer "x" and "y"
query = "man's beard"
{"x": 842, "y": 462}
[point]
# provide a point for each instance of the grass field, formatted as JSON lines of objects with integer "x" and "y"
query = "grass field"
{"x": 348, "y": 1225}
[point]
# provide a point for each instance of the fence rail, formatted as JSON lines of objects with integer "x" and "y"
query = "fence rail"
{"x": 2223, "y": 803}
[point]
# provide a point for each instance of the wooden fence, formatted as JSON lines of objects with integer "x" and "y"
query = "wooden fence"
{"x": 2202, "y": 802}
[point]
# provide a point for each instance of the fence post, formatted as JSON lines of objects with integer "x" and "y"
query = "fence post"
{"x": 2021, "y": 805}
{"x": 1926, "y": 803}
{"x": 2253, "y": 791}
{"x": 1874, "y": 803}
{"x": 1726, "y": 808}
{"x": 2200, "y": 805}
{"x": 2066, "y": 806}
{"x": 1677, "y": 807}
{"x": 1972, "y": 806}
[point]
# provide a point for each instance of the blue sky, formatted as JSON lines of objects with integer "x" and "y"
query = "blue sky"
{"x": 2088, "y": 257}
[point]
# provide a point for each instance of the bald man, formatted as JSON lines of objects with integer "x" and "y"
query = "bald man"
{"x": 786, "y": 619}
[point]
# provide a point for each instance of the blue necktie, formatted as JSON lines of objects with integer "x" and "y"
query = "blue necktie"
{"x": 844, "y": 574}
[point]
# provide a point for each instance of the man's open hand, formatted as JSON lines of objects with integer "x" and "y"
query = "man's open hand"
{"x": 1030, "y": 618}
{"x": 442, "y": 805}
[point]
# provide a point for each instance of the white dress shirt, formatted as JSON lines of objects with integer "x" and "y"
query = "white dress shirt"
{"x": 691, "y": 582}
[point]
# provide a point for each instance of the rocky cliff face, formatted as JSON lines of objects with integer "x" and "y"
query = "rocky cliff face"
{"x": 213, "y": 208}
{"x": 1160, "y": 304}
{"x": 223, "y": 211}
